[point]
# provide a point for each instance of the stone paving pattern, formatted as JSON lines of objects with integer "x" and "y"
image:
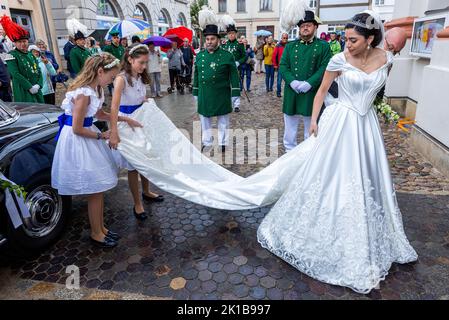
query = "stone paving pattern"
{"x": 187, "y": 251}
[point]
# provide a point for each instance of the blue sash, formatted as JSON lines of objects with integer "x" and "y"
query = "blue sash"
{"x": 129, "y": 109}
{"x": 66, "y": 120}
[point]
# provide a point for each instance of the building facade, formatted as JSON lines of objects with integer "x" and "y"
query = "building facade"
{"x": 102, "y": 14}
{"x": 385, "y": 8}
{"x": 34, "y": 16}
{"x": 251, "y": 15}
{"x": 417, "y": 86}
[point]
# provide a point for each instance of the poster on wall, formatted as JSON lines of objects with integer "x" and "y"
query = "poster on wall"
{"x": 425, "y": 33}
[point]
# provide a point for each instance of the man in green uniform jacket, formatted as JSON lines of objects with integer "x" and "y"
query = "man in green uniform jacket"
{"x": 233, "y": 46}
{"x": 216, "y": 87}
{"x": 23, "y": 67}
{"x": 115, "y": 48}
{"x": 303, "y": 64}
{"x": 79, "y": 54}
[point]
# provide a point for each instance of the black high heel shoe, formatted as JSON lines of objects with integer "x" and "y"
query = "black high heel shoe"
{"x": 106, "y": 243}
{"x": 142, "y": 216}
{"x": 113, "y": 235}
{"x": 159, "y": 198}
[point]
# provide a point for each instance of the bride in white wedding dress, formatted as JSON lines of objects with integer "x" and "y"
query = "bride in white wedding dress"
{"x": 336, "y": 217}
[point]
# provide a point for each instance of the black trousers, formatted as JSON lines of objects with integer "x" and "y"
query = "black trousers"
{"x": 174, "y": 78}
{"x": 50, "y": 99}
{"x": 5, "y": 94}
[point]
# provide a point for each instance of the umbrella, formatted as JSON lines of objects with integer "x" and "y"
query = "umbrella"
{"x": 177, "y": 35}
{"x": 158, "y": 41}
{"x": 128, "y": 27}
{"x": 262, "y": 33}
{"x": 180, "y": 32}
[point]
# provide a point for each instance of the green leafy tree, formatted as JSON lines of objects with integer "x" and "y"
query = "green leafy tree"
{"x": 195, "y": 8}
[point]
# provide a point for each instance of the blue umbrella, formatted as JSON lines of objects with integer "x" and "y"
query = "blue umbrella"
{"x": 158, "y": 41}
{"x": 128, "y": 27}
{"x": 262, "y": 33}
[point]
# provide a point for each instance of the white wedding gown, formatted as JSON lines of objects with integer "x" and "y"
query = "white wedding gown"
{"x": 336, "y": 217}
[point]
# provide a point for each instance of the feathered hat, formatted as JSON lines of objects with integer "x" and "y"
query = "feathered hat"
{"x": 227, "y": 23}
{"x": 208, "y": 22}
{"x": 295, "y": 13}
{"x": 76, "y": 29}
{"x": 13, "y": 30}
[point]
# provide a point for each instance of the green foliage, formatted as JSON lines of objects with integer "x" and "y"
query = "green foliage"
{"x": 20, "y": 191}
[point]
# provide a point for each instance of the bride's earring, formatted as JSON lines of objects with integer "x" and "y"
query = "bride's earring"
{"x": 369, "y": 47}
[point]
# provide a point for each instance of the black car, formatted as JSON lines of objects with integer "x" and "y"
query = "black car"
{"x": 27, "y": 145}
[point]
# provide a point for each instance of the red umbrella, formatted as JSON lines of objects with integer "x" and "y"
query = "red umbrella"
{"x": 178, "y": 34}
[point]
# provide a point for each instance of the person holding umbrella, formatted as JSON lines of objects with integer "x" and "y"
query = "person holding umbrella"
{"x": 154, "y": 70}
{"x": 216, "y": 84}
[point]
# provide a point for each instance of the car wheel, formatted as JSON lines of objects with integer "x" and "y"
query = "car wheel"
{"x": 49, "y": 215}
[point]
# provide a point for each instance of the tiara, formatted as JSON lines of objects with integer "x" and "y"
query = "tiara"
{"x": 137, "y": 47}
{"x": 370, "y": 23}
{"x": 114, "y": 63}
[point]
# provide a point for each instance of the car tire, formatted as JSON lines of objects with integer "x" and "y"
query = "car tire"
{"x": 50, "y": 213}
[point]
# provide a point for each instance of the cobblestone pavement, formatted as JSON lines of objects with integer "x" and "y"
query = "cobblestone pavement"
{"x": 187, "y": 251}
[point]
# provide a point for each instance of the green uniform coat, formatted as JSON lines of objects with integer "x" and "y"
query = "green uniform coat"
{"x": 215, "y": 81}
{"x": 303, "y": 62}
{"x": 25, "y": 73}
{"x": 116, "y": 51}
{"x": 237, "y": 49}
{"x": 78, "y": 57}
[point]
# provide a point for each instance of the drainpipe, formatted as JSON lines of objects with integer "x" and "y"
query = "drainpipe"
{"x": 47, "y": 26}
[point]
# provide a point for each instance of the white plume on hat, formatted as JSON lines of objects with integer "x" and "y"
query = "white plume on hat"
{"x": 226, "y": 21}
{"x": 293, "y": 12}
{"x": 73, "y": 26}
{"x": 206, "y": 17}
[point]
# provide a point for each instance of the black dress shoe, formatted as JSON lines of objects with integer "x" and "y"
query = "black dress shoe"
{"x": 106, "y": 243}
{"x": 113, "y": 235}
{"x": 237, "y": 109}
{"x": 140, "y": 216}
{"x": 159, "y": 198}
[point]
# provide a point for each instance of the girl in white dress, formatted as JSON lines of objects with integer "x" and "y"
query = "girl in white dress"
{"x": 83, "y": 163}
{"x": 129, "y": 95}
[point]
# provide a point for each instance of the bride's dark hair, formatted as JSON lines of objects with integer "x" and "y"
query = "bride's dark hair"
{"x": 364, "y": 24}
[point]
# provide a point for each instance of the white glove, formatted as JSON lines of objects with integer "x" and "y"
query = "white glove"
{"x": 236, "y": 102}
{"x": 305, "y": 87}
{"x": 237, "y": 64}
{"x": 296, "y": 85}
{"x": 34, "y": 89}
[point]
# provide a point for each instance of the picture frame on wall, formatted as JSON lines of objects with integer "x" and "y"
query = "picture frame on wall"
{"x": 425, "y": 33}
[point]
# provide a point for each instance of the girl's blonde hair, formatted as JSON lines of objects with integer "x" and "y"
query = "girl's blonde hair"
{"x": 89, "y": 73}
{"x": 135, "y": 51}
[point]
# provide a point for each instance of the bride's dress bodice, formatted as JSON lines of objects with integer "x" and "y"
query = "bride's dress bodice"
{"x": 357, "y": 89}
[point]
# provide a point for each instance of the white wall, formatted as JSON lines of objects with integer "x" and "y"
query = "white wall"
{"x": 432, "y": 113}
{"x": 424, "y": 80}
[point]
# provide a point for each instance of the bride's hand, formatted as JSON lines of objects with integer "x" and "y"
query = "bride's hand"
{"x": 114, "y": 140}
{"x": 313, "y": 130}
{"x": 133, "y": 123}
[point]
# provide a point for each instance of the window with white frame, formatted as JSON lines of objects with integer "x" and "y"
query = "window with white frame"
{"x": 266, "y": 5}
{"x": 241, "y": 5}
{"x": 222, "y": 6}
